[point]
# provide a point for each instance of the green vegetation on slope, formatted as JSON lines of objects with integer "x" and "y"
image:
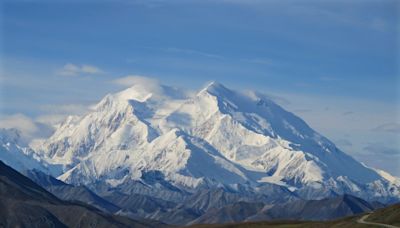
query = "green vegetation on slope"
{"x": 348, "y": 222}
{"x": 388, "y": 215}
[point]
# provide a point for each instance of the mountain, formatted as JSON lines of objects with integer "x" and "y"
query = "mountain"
{"x": 138, "y": 205}
{"x": 25, "y": 204}
{"x": 69, "y": 192}
{"x": 233, "y": 213}
{"x": 15, "y": 153}
{"x": 205, "y": 201}
{"x": 164, "y": 142}
{"x": 325, "y": 209}
{"x": 318, "y": 210}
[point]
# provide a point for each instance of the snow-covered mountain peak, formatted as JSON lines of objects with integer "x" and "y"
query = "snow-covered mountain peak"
{"x": 121, "y": 99}
{"x": 143, "y": 92}
{"x": 215, "y": 88}
{"x": 216, "y": 136}
{"x": 152, "y": 94}
{"x": 137, "y": 92}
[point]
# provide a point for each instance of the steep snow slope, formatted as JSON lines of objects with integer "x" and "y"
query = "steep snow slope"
{"x": 214, "y": 137}
{"x": 255, "y": 129}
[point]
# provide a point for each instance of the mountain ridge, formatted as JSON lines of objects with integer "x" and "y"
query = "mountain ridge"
{"x": 26, "y": 204}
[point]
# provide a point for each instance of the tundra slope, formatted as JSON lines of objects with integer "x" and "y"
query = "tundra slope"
{"x": 169, "y": 143}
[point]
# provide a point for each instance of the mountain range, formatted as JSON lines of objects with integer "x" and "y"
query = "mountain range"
{"x": 163, "y": 153}
{"x": 23, "y": 203}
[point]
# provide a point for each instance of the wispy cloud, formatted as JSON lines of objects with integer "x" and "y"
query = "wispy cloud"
{"x": 54, "y": 114}
{"x": 303, "y": 84}
{"x": 388, "y": 127}
{"x": 29, "y": 128}
{"x": 303, "y": 110}
{"x": 308, "y": 9}
{"x": 192, "y": 52}
{"x": 260, "y": 61}
{"x": 145, "y": 86}
{"x": 328, "y": 79}
{"x": 51, "y": 119}
{"x": 131, "y": 80}
{"x": 379, "y": 24}
{"x": 347, "y": 113}
{"x": 20, "y": 122}
{"x": 44, "y": 125}
{"x": 276, "y": 98}
{"x": 66, "y": 109}
{"x": 343, "y": 143}
{"x": 381, "y": 149}
{"x": 70, "y": 69}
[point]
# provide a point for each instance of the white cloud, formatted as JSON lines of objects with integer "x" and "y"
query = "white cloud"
{"x": 44, "y": 125}
{"x": 70, "y": 69}
{"x": 91, "y": 69}
{"x": 141, "y": 83}
{"x": 29, "y": 128}
{"x": 20, "y": 122}
{"x": 50, "y": 119}
{"x": 55, "y": 114}
{"x": 145, "y": 86}
{"x": 131, "y": 80}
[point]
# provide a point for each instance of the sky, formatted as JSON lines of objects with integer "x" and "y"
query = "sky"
{"x": 333, "y": 63}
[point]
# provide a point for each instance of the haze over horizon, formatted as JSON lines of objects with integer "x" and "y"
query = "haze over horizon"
{"x": 334, "y": 64}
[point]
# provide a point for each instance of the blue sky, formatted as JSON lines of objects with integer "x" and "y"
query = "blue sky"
{"x": 334, "y": 63}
